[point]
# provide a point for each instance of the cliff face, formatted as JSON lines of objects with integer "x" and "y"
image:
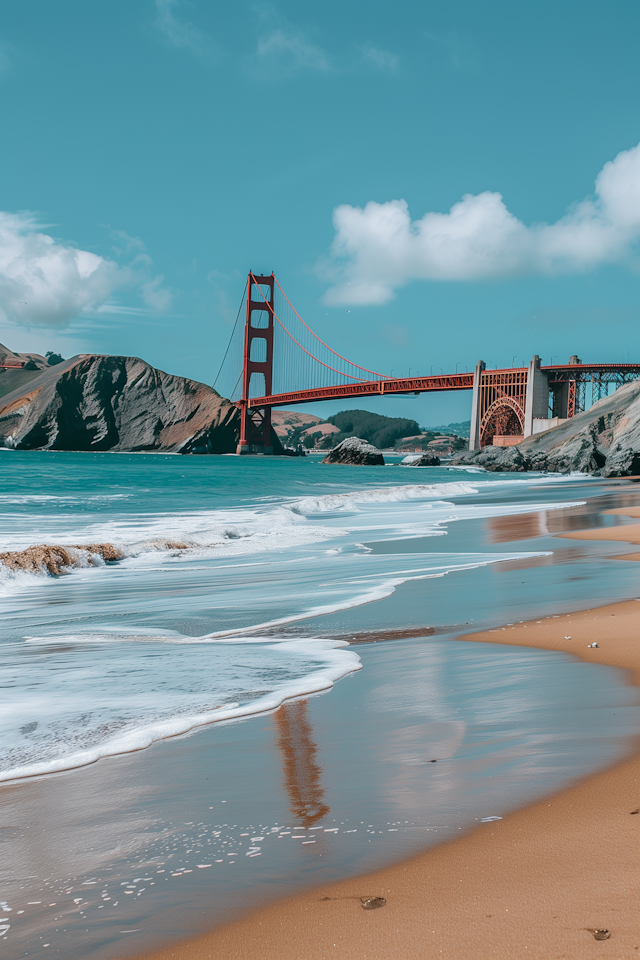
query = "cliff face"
{"x": 605, "y": 440}
{"x": 97, "y": 402}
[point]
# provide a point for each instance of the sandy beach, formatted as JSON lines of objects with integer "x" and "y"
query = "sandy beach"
{"x": 540, "y": 883}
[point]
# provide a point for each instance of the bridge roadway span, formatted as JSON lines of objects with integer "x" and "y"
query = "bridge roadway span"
{"x": 368, "y": 388}
{"x": 452, "y": 381}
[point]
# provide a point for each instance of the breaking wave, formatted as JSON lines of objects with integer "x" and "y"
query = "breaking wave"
{"x": 419, "y": 491}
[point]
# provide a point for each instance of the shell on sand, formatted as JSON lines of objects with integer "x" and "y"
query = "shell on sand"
{"x": 372, "y": 903}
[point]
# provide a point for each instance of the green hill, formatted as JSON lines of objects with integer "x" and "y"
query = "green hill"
{"x": 381, "y": 431}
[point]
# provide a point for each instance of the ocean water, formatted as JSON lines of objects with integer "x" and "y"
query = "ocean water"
{"x": 109, "y": 658}
{"x": 240, "y": 582}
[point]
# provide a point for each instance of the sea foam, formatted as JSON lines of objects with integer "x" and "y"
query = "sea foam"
{"x": 48, "y": 734}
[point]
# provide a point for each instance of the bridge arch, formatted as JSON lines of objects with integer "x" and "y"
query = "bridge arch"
{"x": 504, "y": 417}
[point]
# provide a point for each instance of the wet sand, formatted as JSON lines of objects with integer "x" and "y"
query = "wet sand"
{"x": 537, "y": 884}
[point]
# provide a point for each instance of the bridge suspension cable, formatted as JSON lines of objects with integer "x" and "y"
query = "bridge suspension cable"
{"x": 301, "y": 359}
{"x": 229, "y": 345}
{"x": 380, "y": 376}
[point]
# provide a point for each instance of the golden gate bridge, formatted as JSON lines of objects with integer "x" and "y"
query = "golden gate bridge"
{"x": 276, "y": 359}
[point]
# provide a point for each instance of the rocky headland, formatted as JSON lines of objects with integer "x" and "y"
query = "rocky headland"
{"x": 355, "y": 452}
{"x": 96, "y": 402}
{"x": 604, "y": 441}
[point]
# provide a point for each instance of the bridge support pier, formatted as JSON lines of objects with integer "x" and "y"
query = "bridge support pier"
{"x": 474, "y": 433}
{"x": 537, "y": 400}
{"x": 255, "y": 430}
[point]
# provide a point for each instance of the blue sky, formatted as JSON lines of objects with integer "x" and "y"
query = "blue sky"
{"x": 153, "y": 152}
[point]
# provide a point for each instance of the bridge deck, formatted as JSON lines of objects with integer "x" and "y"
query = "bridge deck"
{"x": 368, "y": 388}
{"x": 452, "y": 381}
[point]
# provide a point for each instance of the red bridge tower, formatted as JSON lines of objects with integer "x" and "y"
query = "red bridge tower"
{"x": 255, "y": 422}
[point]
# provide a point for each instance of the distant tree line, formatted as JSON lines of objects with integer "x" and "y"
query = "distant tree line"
{"x": 462, "y": 429}
{"x": 382, "y": 432}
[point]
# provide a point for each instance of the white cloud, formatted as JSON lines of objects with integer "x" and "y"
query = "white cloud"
{"x": 113, "y": 306}
{"x": 157, "y": 297}
{"x": 381, "y": 59}
{"x": 379, "y": 248}
{"x": 183, "y": 35}
{"x": 286, "y": 50}
{"x": 44, "y": 282}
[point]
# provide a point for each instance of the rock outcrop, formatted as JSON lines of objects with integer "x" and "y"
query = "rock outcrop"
{"x": 355, "y": 452}
{"x": 95, "y": 402}
{"x": 604, "y": 440}
{"x": 55, "y": 560}
{"x": 420, "y": 460}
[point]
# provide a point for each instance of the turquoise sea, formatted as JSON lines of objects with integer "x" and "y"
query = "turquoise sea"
{"x": 243, "y": 583}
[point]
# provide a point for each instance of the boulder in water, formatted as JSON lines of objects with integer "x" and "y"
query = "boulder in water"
{"x": 355, "y": 452}
{"x": 420, "y": 460}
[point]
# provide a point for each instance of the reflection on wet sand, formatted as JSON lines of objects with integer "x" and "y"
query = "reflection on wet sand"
{"x": 301, "y": 772}
{"x": 543, "y": 523}
{"x": 594, "y": 514}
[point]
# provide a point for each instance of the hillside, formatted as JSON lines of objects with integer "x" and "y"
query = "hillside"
{"x": 13, "y": 379}
{"x": 383, "y": 432}
{"x": 604, "y": 440}
{"x": 380, "y": 431}
{"x": 461, "y": 429}
{"x": 293, "y": 428}
{"x": 95, "y": 402}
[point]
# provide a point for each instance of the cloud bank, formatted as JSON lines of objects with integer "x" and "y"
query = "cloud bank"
{"x": 378, "y": 58}
{"x": 379, "y": 248}
{"x": 46, "y": 283}
{"x": 285, "y": 50}
{"x": 178, "y": 33}
{"x": 288, "y": 50}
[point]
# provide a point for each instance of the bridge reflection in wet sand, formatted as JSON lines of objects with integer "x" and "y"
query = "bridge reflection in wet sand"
{"x": 302, "y": 774}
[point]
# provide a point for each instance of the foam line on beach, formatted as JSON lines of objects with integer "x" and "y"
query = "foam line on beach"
{"x": 378, "y": 591}
{"x": 138, "y": 727}
{"x": 338, "y": 663}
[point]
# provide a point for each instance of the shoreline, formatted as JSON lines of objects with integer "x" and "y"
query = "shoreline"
{"x": 537, "y": 884}
{"x": 172, "y": 782}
